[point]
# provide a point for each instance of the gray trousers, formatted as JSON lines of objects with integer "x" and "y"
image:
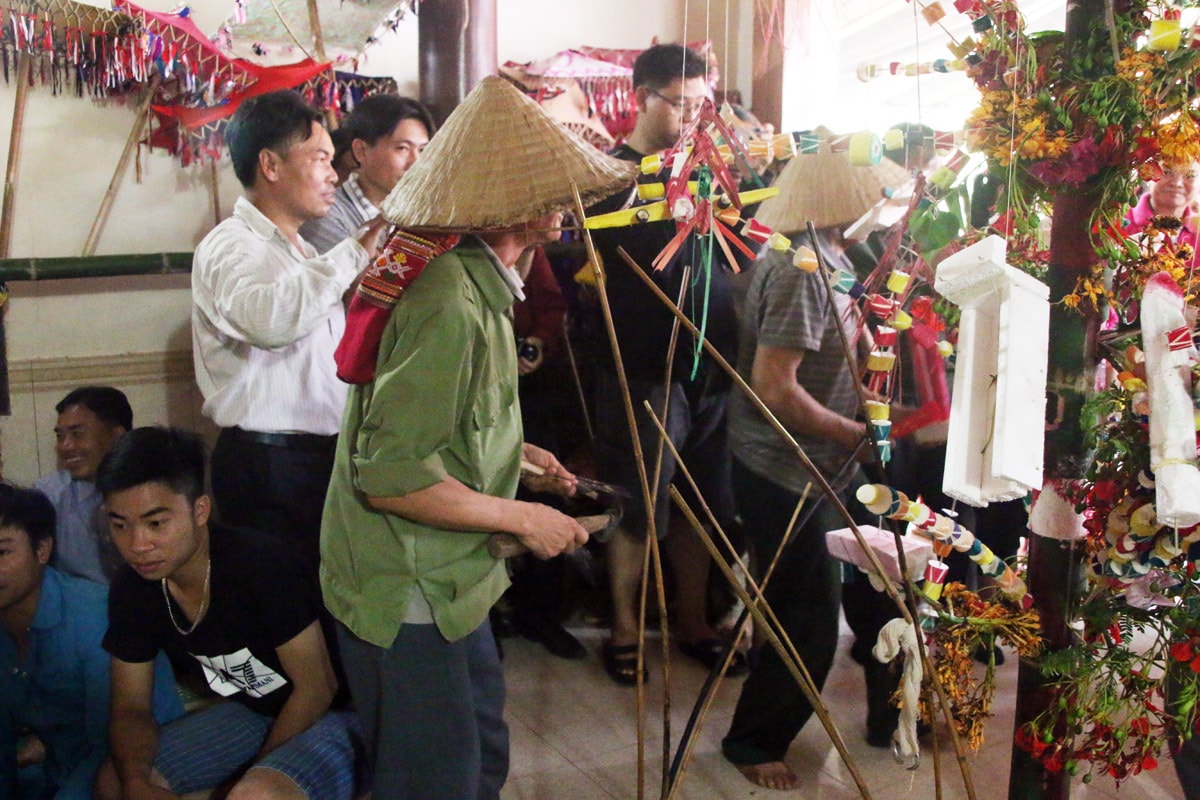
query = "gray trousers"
{"x": 432, "y": 712}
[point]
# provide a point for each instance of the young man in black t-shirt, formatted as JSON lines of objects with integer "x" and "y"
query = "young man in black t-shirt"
{"x": 671, "y": 86}
{"x": 235, "y": 603}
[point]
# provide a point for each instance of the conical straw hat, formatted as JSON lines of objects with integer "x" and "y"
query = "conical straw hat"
{"x": 498, "y": 161}
{"x": 827, "y": 189}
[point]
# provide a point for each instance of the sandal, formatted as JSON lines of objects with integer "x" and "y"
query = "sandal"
{"x": 620, "y": 662}
{"x": 711, "y": 653}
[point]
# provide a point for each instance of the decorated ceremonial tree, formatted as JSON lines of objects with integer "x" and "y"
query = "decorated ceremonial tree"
{"x": 1070, "y": 123}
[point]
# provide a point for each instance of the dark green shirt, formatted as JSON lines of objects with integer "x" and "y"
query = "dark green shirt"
{"x": 443, "y": 402}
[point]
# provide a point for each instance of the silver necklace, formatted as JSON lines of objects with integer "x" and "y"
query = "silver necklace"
{"x": 203, "y": 602}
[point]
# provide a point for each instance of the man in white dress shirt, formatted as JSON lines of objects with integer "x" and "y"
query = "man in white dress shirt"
{"x": 268, "y": 314}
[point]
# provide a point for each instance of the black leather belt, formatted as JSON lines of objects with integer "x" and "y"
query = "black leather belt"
{"x": 291, "y": 441}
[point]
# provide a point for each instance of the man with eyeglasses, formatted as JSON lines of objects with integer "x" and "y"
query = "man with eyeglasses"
{"x": 671, "y": 86}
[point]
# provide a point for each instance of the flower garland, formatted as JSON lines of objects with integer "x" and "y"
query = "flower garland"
{"x": 964, "y": 624}
{"x": 1098, "y": 118}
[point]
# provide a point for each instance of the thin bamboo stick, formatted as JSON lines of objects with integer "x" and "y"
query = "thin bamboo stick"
{"x": 291, "y": 34}
{"x": 135, "y": 134}
{"x": 583, "y": 404}
{"x": 24, "y": 76}
{"x": 651, "y": 532}
{"x": 827, "y": 490}
{"x": 778, "y": 635}
{"x": 215, "y": 186}
{"x": 664, "y": 790}
{"x": 778, "y": 639}
{"x": 709, "y": 692}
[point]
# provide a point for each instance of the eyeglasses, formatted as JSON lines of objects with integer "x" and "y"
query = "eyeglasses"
{"x": 689, "y": 108}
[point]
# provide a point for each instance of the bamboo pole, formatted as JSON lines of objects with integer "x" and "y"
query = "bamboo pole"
{"x": 24, "y": 76}
{"x": 318, "y": 36}
{"x": 215, "y": 187}
{"x": 708, "y": 693}
{"x": 135, "y": 134}
{"x": 113, "y": 266}
{"x": 777, "y": 636}
{"x": 651, "y": 532}
{"x": 314, "y": 27}
{"x": 665, "y": 789}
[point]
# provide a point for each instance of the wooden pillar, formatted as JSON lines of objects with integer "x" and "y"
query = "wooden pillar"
{"x": 767, "y": 70}
{"x": 1053, "y": 564}
{"x": 457, "y": 44}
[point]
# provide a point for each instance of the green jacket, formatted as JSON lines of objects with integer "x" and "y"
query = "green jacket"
{"x": 443, "y": 402}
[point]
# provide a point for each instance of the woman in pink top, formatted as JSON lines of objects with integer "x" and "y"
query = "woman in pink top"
{"x": 1171, "y": 196}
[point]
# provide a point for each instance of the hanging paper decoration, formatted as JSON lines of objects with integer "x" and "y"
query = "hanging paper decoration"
{"x": 867, "y": 72}
{"x": 997, "y": 414}
{"x": 592, "y": 97}
{"x": 95, "y": 51}
{"x": 1166, "y": 33}
{"x": 173, "y": 43}
{"x": 1167, "y": 342}
{"x": 918, "y": 552}
{"x": 612, "y": 97}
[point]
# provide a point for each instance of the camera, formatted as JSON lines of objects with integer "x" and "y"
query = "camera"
{"x": 529, "y": 351}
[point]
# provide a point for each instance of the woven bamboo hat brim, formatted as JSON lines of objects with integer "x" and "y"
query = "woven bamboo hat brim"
{"x": 498, "y": 161}
{"x": 827, "y": 189}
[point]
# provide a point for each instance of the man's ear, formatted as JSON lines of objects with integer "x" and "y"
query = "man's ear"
{"x": 359, "y": 148}
{"x": 268, "y": 164}
{"x": 201, "y": 510}
{"x": 43, "y": 550}
{"x": 640, "y": 95}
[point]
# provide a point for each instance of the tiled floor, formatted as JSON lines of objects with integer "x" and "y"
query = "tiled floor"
{"x": 574, "y": 737}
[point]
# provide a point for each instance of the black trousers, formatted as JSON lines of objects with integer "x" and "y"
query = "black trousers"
{"x": 804, "y": 593}
{"x": 277, "y": 489}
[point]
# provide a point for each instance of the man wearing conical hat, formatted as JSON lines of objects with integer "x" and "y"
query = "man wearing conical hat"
{"x": 430, "y": 450}
{"x": 791, "y": 354}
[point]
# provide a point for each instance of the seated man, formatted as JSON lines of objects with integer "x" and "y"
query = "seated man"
{"x": 238, "y": 604}
{"x": 90, "y": 419}
{"x": 387, "y": 133}
{"x": 53, "y": 671}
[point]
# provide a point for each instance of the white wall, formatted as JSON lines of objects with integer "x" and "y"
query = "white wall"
{"x": 133, "y": 332}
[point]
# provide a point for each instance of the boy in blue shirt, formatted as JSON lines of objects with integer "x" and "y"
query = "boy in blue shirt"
{"x": 54, "y": 674}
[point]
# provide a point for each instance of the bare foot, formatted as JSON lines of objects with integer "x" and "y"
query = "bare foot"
{"x": 771, "y": 775}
